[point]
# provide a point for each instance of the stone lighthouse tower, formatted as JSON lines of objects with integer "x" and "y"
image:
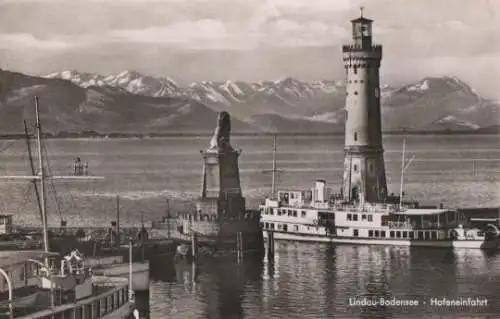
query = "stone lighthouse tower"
{"x": 364, "y": 172}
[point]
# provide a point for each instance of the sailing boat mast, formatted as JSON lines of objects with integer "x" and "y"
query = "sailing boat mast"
{"x": 43, "y": 177}
{"x": 41, "y": 173}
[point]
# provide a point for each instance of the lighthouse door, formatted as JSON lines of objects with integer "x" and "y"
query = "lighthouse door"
{"x": 355, "y": 194}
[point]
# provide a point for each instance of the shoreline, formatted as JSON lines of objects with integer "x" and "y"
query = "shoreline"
{"x": 239, "y": 134}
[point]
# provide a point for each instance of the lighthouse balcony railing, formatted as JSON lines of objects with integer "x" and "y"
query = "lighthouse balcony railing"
{"x": 377, "y": 48}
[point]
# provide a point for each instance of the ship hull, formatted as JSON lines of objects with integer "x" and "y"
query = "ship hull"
{"x": 468, "y": 244}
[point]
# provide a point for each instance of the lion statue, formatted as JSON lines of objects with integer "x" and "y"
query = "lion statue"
{"x": 221, "y": 137}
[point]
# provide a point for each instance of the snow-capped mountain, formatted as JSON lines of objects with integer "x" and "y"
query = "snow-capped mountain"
{"x": 132, "y": 81}
{"x": 434, "y": 103}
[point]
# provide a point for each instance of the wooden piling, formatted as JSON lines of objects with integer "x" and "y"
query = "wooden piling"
{"x": 270, "y": 245}
{"x": 239, "y": 246}
{"x": 194, "y": 248}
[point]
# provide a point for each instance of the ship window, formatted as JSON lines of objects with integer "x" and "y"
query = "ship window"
{"x": 355, "y": 233}
{"x": 370, "y": 233}
{"x": 296, "y": 228}
{"x": 391, "y": 234}
{"x": 363, "y": 217}
{"x": 376, "y": 233}
{"x": 370, "y": 218}
{"x": 382, "y": 233}
{"x": 303, "y": 214}
{"x": 355, "y": 136}
{"x": 411, "y": 235}
{"x": 398, "y": 234}
{"x": 349, "y": 216}
{"x": 405, "y": 234}
{"x": 355, "y": 217}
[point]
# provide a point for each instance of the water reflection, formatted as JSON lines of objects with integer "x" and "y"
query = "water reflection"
{"x": 316, "y": 281}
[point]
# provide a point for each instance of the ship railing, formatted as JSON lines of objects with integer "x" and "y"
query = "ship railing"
{"x": 93, "y": 307}
{"x": 407, "y": 225}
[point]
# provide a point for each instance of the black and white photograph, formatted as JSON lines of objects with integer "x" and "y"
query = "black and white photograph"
{"x": 247, "y": 159}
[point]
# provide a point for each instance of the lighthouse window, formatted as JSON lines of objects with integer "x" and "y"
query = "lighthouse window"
{"x": 355, "y": 81}
{"x": 355, "y": 92}
{"x": 355, "y": 136}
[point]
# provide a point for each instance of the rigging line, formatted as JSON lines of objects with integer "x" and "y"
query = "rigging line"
{"x": 33, "y": 171}
{"x": 50, "y": 172}
{"x": 7, "y": 146}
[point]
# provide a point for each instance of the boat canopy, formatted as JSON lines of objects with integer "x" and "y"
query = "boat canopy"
{"x": 422, "y": 212}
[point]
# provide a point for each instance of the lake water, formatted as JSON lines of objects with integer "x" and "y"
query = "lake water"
{"x": 305, "y": 280}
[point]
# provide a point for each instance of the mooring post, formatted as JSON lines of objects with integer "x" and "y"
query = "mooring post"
{"x": 194, "y": 249}
{"x": 270, "y": 245}
{"x": 239, "y": 245}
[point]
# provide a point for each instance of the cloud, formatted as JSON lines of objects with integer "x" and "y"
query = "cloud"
{"x": 28, "y": 41}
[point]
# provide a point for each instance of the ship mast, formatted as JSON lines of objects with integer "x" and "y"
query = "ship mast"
{"x": 274, "y": 171}
{"x": 42, "y": 177}
{"x": 403, "y": 168}
{"x": 41, "y": 173}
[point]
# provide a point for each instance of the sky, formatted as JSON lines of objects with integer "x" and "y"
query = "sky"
{"x": 251, "y": 40}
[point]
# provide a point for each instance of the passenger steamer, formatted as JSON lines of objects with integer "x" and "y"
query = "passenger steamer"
{"x": 363, "y": 212}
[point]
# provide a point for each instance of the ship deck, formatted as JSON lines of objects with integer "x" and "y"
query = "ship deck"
{"x": 106, "y": 298}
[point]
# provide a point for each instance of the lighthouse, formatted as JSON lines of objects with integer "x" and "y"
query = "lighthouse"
{"x": 364, "y": 172}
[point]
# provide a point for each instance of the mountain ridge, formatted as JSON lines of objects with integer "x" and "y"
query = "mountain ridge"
{"x": 132, "y": 102}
